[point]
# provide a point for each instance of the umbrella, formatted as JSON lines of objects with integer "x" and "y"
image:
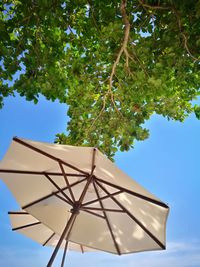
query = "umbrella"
{"x": 26, "y": 224}
{"x": 84, "y": 198}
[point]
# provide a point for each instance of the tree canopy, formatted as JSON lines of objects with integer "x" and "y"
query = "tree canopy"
{"x": 113, "y": 62}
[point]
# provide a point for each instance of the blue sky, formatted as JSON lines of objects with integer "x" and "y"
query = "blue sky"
{"x": 167, "y": 164}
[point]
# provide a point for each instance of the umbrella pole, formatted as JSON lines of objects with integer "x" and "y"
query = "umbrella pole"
{"x": 64, "y": 254}
{"x": 74, "y": 211}
{"x": 67, "y": 229}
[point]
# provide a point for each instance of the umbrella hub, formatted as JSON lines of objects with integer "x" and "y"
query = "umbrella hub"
{"x": 76, "y": 208}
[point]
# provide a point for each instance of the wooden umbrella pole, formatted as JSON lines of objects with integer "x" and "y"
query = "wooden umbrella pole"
{"x": 65, "y": 232}
{"x": 70, "y": 223}
{"x": 67, "y": 242}
{"x": 64, "y": 254}
{"x": 75, "y": 211}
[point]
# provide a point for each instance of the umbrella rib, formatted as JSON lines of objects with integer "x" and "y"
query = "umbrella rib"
{"x": 50, "y": 195}
{"x": 157, "y": 202}
{"x": 89, "y": 180}
{"x": 107, "y": 220}
{"x": 40, "y": 173}
{"x": 101, "y": 209}
{"x": 66, "y": 180}
{"x": 101, "y": 198}
{"x": 47, "y": 154}
{"x": 51, "y": 236}
{"x": 59, "y": 189}
{"x": 25, "y": 226}
{"x": 133, "y": 218}
{"x": 93, "y": 213}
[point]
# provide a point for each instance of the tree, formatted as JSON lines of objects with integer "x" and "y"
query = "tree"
{"x": 114, "y": 62}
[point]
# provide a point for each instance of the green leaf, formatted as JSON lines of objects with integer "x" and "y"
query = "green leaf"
{"x": 111, "y": 79}
{"x": 197, "y": 111}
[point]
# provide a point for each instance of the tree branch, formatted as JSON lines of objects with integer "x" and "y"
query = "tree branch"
{"x": 122, "y": 50}
{"x": 185, "y": 40}
{"x": 153, "y": 7}
{"x": 140, "y": 63}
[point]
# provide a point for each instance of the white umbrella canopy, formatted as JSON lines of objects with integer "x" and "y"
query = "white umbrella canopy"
{"x": 80, "y": 194}
{"x": 26, "y": 224}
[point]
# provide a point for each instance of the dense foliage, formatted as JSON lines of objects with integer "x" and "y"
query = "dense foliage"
{"x": 114, "y": 63}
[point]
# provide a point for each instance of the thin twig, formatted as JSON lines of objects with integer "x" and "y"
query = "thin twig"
{"x": 140, "y": 63}
{"x": 187, "y": 49}
{"x": 101, "y": 111}
{"x": 93, "y": 17}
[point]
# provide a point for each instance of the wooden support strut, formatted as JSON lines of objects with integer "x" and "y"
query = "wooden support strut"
{"x": 51, "y": 194}
{"x": 44, "y": 244}
{"x": 58, "y": 188}
{"x": 101, "y": 209}
{"x": 107, "y": 220}
{"x": 67, "y": 182}
{"x": 101, "y": 198}
{"x": 94, "y": 213}
{"x": 26, "y": 226}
